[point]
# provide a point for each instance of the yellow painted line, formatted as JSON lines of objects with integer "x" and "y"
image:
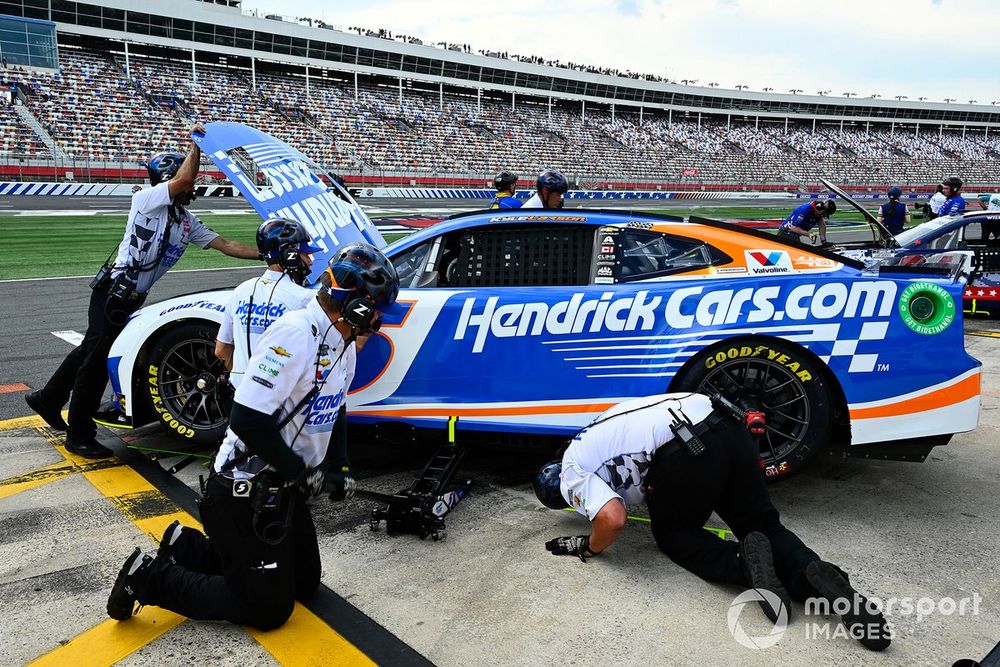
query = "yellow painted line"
{"x": 21, "y": 422}
{"x": 112, "y": 640}
{"x": 306, "y": 640}
{"x": 35, "y": 478}
{"x": 984, "y": 334}
{"x": 24, "y": 422}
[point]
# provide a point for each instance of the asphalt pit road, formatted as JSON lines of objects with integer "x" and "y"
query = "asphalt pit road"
{"x": 55, "y": 586}
{"x": 64, "y": 519}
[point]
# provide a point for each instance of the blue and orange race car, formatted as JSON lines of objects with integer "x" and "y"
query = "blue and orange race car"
{"x": 534, "y": 322}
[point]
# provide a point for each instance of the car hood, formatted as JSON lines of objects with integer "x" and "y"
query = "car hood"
{"x": 293, "y": 189}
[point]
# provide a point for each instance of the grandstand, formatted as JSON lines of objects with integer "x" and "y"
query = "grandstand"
{"x": 130, "y": 83}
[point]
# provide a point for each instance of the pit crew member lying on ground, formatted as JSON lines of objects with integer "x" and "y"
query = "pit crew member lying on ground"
{"x": 686, "y": 460}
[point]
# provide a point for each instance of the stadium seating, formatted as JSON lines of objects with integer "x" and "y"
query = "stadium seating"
{"x": 95, "y": 112}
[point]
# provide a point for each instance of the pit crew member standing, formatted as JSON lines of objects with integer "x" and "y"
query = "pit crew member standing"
{"x": 991, "y": 229}
{"x": 257, "y": 303}
{"x": 954, "y": 203}
{"x": 158, "y": 231}
{"x": 686, "y": 459}
{"x": 506, "y": 185}
{"x": 935, "y": 202}
{"x": 551, "y": 186}
{"x": 893, "y": 213}
{"x": 798, "y": 225}
{"x": 288, "y": 428}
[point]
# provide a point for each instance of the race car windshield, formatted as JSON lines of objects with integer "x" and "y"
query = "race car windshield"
{"x": 923, "y": 231}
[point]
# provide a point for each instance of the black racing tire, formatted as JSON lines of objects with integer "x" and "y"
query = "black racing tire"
{"x": 182, "y": 383}
{"x": 780, "y": 378}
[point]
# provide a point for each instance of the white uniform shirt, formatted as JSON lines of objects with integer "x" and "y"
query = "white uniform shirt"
{"x": 609, "y": 459}
{"x": 534, "y": 202}
{"x": 936, "y": 202}
{"x": 300, "y": 351}
{"x": 145, "y": 254}
{"x": 272, "y": 295}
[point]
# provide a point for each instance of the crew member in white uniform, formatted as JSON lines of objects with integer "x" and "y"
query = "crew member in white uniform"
{"x": 159, "y": 230}
{"x": 550, "y": 186}
{"x": 258, "y": 302}
{"x": 686, "y": 460}
{"x": 286, "y": 443}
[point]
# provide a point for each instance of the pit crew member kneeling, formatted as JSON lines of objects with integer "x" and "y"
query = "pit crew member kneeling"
{"x": 687, "y": 459}
{"x": 286, "y": 444}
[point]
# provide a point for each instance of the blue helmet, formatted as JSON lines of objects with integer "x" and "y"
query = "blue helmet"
{"x": 281, "y": 241}
{"x": 546, "y": 486}
{"x": 553, "y": 181}
{"x": 164, "y": 166}
{"x": 895, "y": 193}
{"x": 359, "y": 269}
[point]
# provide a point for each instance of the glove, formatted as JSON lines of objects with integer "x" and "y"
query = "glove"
{"x": 575, "y": 545}
{"x": 341, "y": 484}
{"x": 310, "y": 482}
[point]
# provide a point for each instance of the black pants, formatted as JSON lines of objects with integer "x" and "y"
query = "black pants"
{"x": 791, "y": 236}
{"x": 683, "y": 490}
{"x": 231, "y": 574}
{"x": 83, "y": 375}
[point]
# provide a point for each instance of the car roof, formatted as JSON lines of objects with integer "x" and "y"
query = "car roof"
{"x": 590, "y": 217}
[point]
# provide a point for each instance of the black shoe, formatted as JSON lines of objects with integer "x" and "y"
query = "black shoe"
{"x": 51, "y": 416}
{"x": 131, "y": 579}
{"x": 863, "y": 620}
{"x": 88, "y": 448}
{"x": 758, "y": 567}
{"x": 170, "y": 536}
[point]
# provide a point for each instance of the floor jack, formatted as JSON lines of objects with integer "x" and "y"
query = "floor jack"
{"x": 420, "y": 509}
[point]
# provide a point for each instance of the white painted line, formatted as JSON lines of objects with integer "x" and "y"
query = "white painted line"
{"x": 74, "y": 338}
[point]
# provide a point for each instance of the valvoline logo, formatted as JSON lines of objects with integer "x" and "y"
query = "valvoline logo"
{"x": 768, "y": 261}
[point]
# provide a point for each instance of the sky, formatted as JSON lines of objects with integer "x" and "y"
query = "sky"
{"x": 918, "y": 48}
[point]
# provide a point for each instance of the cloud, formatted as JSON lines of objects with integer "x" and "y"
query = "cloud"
{"x": 889, "y": 47}
{"x": 628, "y": 7}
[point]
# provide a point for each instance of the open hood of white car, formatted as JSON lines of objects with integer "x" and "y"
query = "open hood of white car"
{"x": 290, "y": 187}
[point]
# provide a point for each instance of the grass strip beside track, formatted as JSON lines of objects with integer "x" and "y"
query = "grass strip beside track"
{"x": 76, "y": 245}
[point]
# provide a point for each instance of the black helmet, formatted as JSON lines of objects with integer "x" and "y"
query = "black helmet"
{"x": 164, "y": 166}
{"x": 546, "y": 485}
{"x": 553, "y": 181}
{"x": 505, "y": 182}
{"x": 953, "y": 182}
{"x": 827, "y": 207}
{"x": 359, "y": 269}
{"x": 895, "y": 193}
{"x": 280, "y": 241}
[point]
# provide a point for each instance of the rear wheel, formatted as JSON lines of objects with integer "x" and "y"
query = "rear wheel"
{"x": 184, "y": 383}
{"x": 779, "y": 379}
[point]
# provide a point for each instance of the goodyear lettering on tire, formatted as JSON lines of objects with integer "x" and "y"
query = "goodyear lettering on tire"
{"x": 762, "y": 352}
{"x": 169, "y": 420}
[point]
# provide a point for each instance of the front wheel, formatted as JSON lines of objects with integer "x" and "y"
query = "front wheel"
{"x": 777, "y": 378}
{"x": 184, "y": 384}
